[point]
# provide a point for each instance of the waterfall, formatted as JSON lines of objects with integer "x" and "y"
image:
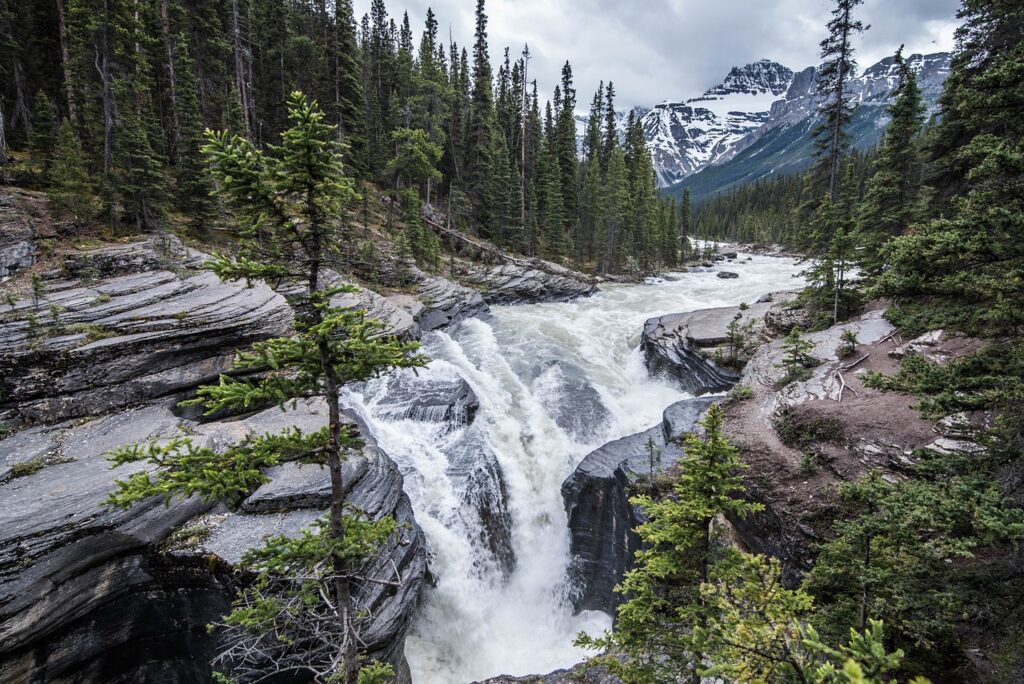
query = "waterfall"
{"x": 536, "y": 388}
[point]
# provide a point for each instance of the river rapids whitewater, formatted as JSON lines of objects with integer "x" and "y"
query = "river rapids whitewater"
{"x": 554, "y": 382}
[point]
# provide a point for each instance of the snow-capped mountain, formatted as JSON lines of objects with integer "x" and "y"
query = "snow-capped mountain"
{"x": 785, "y": 143}
{"x": 687, "y": 136}
{"x": 756, "y": 103}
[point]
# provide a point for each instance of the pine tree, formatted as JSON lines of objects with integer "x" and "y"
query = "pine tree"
{"x": 658, "y": 626}
{"x": 44, "y": 131}
{"x": 834, "y": 76}
{"x": 480, "y": 133}
{"x": 70, "y": 188}
{"x": 891, "y": 199}
{"x": 289, "y": 206}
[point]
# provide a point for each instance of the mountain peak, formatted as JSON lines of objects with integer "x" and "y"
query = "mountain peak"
{"x": 762, "y": 76}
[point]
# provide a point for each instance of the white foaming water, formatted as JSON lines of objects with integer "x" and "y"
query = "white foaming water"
{"x": 537, "y": 370}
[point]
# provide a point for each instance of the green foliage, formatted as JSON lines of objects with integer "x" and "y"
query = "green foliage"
{"x": 796, "y": 360}
{"x": 740, "y": 393}
{"x": 26, "y": 468}
{"x": 899, "y": 555}
{"x": 376, "y": 673}
{"x": 965, "y": 259}
{"x": 182, "y": 469}
{"x": 757, "y": 631}
{"x": 848, "y": 344}
{"x": 71, "y": 189}
{"x": 890, "y": 201}
{"x": 663, "y": 598}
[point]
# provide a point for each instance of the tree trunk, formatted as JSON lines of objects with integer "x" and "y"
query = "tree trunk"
{"x": 172, "y": 80}
{"x": 3, "y": 146}
{"x": 240, "y": 83}
{"x": 103, "y": 67}
{"x": 64, "y": 64}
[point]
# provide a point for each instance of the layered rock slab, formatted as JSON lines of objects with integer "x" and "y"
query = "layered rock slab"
{"x": 601, "y": 519}
{"x": 65, "y": 561}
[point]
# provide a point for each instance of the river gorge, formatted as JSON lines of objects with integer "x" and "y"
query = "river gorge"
{"x": 544, "y": 385}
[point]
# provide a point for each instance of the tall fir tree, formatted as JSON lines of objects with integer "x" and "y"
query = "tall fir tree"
{"x": 289, "y": 206}
{"x": 891, "y": 199}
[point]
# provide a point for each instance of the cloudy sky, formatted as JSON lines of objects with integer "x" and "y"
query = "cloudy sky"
{"x": 672, "y": 49}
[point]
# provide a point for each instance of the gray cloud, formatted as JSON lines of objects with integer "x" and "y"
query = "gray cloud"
{"x": 671, "y": 49}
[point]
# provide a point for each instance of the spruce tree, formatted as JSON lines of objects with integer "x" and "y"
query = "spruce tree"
{"x": 480, "y": 134}
{"x": 890, "y": 202}
{"x": 70, "y": 187}
{"x": 290, "y": 205}
{"x": 44, "y": 131}
{"x": 834, "y": 76}
{"x": 658, "y": 626}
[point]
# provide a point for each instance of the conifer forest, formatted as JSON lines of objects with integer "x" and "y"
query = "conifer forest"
{"x": 342, "y": 343}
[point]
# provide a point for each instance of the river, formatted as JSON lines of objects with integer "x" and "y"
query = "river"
{"x": 554, "y": 381}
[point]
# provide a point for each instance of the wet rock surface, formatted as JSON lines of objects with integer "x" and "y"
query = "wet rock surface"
{"x": 601, "y": 519}
{"x": 91, "y": 594}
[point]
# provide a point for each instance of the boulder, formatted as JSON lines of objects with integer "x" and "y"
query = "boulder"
{"x": 726, "y": 275}
{"x": 673, "y": 345}
{"x": 601, "y": 519}
{"x": 444, "y": 302}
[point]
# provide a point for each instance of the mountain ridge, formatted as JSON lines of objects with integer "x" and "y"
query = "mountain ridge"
{"x": 747, "y": 112}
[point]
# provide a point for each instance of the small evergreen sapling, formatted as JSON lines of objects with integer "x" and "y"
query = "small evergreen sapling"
{"x": 797, "y": 359}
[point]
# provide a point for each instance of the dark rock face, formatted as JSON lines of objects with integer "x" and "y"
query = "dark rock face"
{"x": 601, "y": 519}
{"x": 445, "y": 303}
{"x": 672, "y": 343}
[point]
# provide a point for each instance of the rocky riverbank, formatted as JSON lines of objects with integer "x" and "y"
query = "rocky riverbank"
{"x": 96, "y": 353}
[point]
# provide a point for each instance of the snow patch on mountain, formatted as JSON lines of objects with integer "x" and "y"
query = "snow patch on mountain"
{"x": 686, "y": 136}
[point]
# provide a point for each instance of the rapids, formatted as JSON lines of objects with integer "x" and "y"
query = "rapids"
{"x": 554, "y": 381}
